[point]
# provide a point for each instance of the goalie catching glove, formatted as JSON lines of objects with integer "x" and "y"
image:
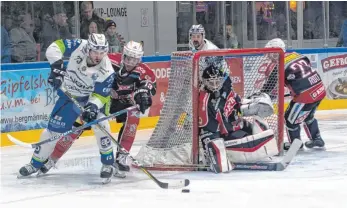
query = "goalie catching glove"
{"x": 257, "y": 105}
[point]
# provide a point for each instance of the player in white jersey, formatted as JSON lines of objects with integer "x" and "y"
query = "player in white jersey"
{"x": 88, "y": 77}
{"x": 197, "y": 42}
{"x": 197, "y": 39}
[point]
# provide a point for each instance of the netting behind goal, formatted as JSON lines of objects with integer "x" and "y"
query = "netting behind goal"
{"x": 174, "y": 142}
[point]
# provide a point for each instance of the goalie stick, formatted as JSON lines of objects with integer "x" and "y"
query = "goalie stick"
{"x": 256, "y": 166}
{"x": 164, "y": 185}
{"x": 267, "y": 166}
{"x": 275, "y": 166}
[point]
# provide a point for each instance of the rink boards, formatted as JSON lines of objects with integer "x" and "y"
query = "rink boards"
{"x": 150, "y": 122}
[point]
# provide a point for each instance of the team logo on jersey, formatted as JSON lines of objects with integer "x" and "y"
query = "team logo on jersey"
{"x": 229, "y": 105}
{"x": 84, "y": 68}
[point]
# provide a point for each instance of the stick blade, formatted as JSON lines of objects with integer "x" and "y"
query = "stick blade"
{"x": 18, "y": 142}
{"x": 176, "y": 184}
{"x": 293, "y": 150}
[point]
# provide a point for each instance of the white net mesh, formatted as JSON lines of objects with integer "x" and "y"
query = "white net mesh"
{"x": 172, "y": 140}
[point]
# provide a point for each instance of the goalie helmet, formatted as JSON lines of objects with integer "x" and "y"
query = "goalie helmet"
{"x": 196, "y": 36}
{"x": 276, "y": 43}
{"x": 213, "y": 77}
{"x": 132, "y": 55}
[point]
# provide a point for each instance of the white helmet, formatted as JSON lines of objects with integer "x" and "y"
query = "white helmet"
{"x": 196, "y": 29}
{"x": 132, "y": 54}
{"x": 97, "y": 42}
{"x": 276, "y": 43}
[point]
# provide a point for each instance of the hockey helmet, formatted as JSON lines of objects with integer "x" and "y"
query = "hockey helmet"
{"x": 276, "y": 43}
{"x": 97, "y": 42}
{"x": 196, "y": 29}
{"x": 132, "y": 54}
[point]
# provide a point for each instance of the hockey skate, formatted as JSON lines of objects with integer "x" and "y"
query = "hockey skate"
{"x": 27, "y": 170}
{"x": 106, "y": 173}
{"x": 315, "y": 143}
{"x": 121, "y": 161}
{"x": 49, "y": 163}
{"x": 117, "y": 173}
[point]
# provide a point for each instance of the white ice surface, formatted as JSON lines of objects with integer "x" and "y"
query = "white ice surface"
{"x": 315, "y": 179}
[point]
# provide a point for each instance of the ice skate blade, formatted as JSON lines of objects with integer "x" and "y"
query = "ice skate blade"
{"x": 119, "y": 175}
{"x": 106, "y": 180}
{"x": 19, "y": 176}
{"x": 39, "y": 174}
{"x": 316, "y": 149}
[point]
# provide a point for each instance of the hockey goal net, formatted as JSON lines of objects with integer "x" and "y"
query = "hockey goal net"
{"x": 174, "y": 143}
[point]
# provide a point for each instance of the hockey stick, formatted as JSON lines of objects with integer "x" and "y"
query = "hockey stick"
{"x": 177, "y": 184}
{"x": 53, "y": 138}
{"x": 277, "y": 166}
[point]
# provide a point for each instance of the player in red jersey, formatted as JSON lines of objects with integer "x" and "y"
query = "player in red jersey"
{"x": 306, "y": 88}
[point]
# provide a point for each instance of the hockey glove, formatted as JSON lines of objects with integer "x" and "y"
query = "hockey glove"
{"x": 143, "y": 99}
{"x": 90, "y": 112}
{"x": 58, "y": 71}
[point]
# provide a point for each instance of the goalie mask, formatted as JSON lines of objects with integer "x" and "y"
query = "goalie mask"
{"x": 196, "y": 36}
{"x": 132, "y": 55}
{"x": 213, "y": 78}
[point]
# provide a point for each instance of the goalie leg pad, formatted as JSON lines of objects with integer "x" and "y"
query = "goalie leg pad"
{"x": 252, "y": 148}
{"x": 217, "y": 155}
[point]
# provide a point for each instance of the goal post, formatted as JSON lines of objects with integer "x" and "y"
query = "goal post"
{"x": 174, "y": 143}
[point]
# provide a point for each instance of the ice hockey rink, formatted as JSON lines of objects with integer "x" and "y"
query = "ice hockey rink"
{"x": 314, "y": 179}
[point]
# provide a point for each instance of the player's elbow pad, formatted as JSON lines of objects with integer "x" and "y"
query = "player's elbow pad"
{"x": 53, "y": 53}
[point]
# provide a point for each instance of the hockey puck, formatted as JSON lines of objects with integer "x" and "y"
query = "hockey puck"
{"x": 185, "y": 190}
